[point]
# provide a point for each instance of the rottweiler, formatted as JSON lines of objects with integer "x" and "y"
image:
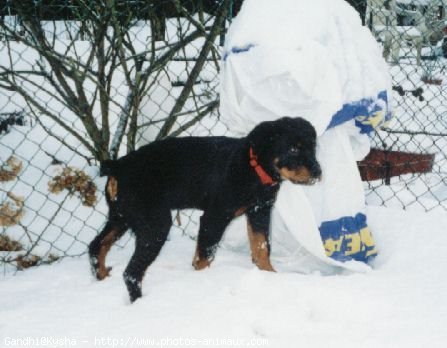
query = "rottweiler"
{"x": 222, "y": 176}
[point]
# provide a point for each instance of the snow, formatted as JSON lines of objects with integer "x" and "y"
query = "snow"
{"x": 401, "y": 303}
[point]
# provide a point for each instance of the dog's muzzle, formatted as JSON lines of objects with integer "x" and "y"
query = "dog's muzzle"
{"x": 315, "y": 173}
{"x": 309, "y": 182}
{"x": 301, "y": 175}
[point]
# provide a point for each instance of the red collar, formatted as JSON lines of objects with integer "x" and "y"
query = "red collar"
{"x": 265, "y": 178}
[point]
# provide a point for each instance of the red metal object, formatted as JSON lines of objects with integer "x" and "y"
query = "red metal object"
{"x": 382, "y": 164}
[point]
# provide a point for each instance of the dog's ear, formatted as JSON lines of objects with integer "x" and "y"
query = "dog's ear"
{"x": 267, "y": 133}
{"x": 263, "y": 133}
{"x": 300, "y": 127}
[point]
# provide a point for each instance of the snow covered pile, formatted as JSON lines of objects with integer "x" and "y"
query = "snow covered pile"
{"x": 298, "y": 58}
{"x": 317, "y": 62}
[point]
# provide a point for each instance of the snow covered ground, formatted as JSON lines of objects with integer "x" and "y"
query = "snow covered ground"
{"x": 401, "y": 303}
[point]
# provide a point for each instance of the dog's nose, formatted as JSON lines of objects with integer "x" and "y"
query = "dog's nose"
{"x": 315, "y": 171}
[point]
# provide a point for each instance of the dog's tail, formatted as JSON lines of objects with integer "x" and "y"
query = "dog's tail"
{"x": 107, "y": 167}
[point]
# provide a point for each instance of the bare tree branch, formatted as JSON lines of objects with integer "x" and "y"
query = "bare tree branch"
{"x": 215, "y": 30}
{"x": 206, "y": 111}
{"x": 84, "y": 81}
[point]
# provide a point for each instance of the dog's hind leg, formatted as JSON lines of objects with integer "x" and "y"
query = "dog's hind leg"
{"x": 150, "y": 234}
{"x": 101, "y": 245}
{"x": 212, "y": 227}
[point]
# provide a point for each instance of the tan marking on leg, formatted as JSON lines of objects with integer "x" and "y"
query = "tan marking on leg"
{"x": 259, "y": 249}
{"x": 106, "y": 244}
{"x": 199, "y": 263}
{"x": 112, "y": 188}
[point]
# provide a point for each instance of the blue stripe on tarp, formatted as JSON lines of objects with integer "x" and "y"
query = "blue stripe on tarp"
{"x": 369, "y": 113}
{"x": 348, "y": 238}
{"x": 236, "y": 50}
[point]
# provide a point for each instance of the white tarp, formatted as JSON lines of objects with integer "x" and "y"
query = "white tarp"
{"x": 315, "y": 60}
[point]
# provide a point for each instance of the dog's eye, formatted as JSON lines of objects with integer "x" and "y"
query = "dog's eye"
{"x": 294, "y": 149}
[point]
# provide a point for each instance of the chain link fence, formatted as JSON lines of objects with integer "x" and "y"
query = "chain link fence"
{"x": 83, "y": 81}
{"x": 411, "y": 156}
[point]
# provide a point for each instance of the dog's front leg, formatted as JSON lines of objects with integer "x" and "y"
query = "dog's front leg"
{"x": 258, "y": 226}
{"x": 212, "y": 227}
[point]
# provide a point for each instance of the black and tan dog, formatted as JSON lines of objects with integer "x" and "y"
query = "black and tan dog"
{"x": 225, "y": 177}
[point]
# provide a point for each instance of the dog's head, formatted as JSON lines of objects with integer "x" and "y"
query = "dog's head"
{"x": 285, "y": 149}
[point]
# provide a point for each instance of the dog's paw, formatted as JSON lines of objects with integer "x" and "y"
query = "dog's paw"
{"x": 133, "y": 287}
{"x": 102, "y": 273}
{"x": 264, "y": 265}
{"x": 200, "y": 264}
